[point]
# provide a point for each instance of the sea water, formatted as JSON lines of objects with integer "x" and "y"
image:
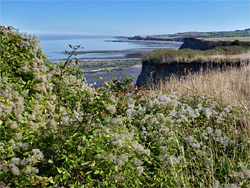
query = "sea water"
{"x": 54, "y": 45}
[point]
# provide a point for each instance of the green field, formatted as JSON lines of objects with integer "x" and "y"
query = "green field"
{"x": 246, "y": 39}
{"x": 207, "y": 35}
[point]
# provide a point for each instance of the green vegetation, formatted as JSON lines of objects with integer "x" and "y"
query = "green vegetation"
{"x": 181, "y": 36}
{"x": 218, "y": 54}
{"x": 243, "y": 39}
{"x": 57, "y": 131}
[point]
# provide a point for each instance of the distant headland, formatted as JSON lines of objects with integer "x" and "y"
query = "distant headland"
{"x": 242, "y": 35}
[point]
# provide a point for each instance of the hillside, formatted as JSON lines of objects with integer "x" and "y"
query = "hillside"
{"x": 201, "y": 44}
{"x": 181, "y": 36}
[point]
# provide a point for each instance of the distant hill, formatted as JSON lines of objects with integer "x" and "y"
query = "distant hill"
{"x": 201, "y": 44}
{"x": 180, "y": 36}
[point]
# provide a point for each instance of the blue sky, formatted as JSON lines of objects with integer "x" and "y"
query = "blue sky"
{"x": 124, "y": 17}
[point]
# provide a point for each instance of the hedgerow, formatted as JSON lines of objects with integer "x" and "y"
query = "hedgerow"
{"x": 58, "y": 131}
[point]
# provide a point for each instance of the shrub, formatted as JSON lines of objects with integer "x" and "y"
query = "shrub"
{"x": 236, "y": 42}
{"x": 58, "y": 131}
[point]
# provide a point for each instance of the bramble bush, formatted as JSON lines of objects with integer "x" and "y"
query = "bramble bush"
{"x": 56, "y": 130}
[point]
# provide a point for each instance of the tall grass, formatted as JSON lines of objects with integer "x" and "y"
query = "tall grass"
{"x": 218, "y": 54}
{"x": 231, "y": 86}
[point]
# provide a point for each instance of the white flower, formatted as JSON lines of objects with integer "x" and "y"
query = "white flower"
{"x": 25, "y": 146}
{"x": 116, "y": 121}
{"x": 28, "y": 171}
{"x": 13, "y": 125}
{"x": 39, "y": 155}
{"x": 118, "y": 177}
{"x": 36, "y": 151}
{"x": 137, "y": 161}
{"x": 19, "y": 117}
{"x": 225, "y": 141}
{"x": 32, "y": 116}
{"x": 196, "y": 145}
{"x": 208, "y": 112}
{"x": 111, "y": 108}
{"x": 24, "y": 92}
{"x": 230, "y": 186}
{"x": 217, "y": 132}
{"x": 118, "y": 143}
{"x": 164, "y": 129}
{"x": 15, "y": 170}
{"x": 35, "y": 170}
{"x": 25, "y": 69}
{"x": 16, "y": 161}
{"x": 65, "y": 119}
{"x": 163, "y": 148}
{"x": 18, "y": 136}
{"x": 209, "y": 130}
{"x": 3, "y": 167}
{"x": 139, "y": 170}
{"x": 112, "y": 158}
{"x": 140, "y": 148}
{"x": 141, "y": 109}
{"x": 122, "y": 159}
{"x": 173, "y": 160}
{"x": 190, "y": 139}
{"x": 199, "y": 106}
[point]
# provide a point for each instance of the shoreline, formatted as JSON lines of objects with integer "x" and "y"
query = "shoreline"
{"x": 110, "y": 64}
{"x": 108, "y": 68}
{"x": 166, "y": 41}
{"x": 114, "y": 54}
{"x": 116, "y": 51}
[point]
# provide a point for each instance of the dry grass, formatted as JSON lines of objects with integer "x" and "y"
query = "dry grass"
{"x": 231, "y": 87}
{"x": 245, "y": 57}
{"x": 246, "y": 39}
{"x": 219, "y": 54}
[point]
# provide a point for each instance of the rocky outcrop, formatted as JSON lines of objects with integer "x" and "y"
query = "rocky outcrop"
{"x": 196, "y": 44}
{"x": 153, "y": 72}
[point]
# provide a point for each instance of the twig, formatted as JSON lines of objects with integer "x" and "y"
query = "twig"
{"x": 59, "y": 90}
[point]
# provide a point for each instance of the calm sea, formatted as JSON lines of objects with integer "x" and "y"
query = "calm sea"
{"x": 53, "y": 45}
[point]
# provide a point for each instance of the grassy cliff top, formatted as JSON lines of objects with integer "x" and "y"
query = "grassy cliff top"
{"x": 231, "y": 39}
{"x": 218, "y": 54}
{"x": 207, "y": 35}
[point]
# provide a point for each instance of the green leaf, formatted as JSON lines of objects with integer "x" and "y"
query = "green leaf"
{"x": 85, "y": 163}
{"x": 97, "y": 172}
{"x": 60, "y": 170}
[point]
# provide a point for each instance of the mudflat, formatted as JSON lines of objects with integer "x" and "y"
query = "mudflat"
{"x": 108, "y": 68}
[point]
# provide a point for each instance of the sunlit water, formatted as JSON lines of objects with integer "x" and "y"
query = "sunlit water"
{"x": 53, "y": 45}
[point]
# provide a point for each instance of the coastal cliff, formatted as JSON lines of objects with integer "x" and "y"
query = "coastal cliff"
{"x": 164, "y": 63}
{"x": 152, "y": 72}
